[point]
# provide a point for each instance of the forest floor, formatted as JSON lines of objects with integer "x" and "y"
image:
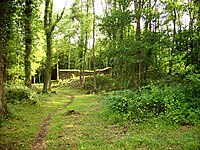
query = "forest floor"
{"x": 70, "y": 119}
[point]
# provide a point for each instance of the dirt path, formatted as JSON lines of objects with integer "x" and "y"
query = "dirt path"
{"x": 38, "y": 143}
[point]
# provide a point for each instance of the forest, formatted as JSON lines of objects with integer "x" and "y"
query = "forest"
{"x": 144, "y": 62}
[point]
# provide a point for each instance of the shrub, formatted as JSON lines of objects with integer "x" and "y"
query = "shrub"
{"x": 168, "y": 102}
{"x": 104, "y": 82}
{"x": 20, "y": 94}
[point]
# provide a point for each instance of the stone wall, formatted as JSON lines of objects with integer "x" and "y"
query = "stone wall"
{"x": 67, "y": 74}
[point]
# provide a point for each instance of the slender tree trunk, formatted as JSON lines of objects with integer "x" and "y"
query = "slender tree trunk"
{"x": 28, "y": 41}
{"x": 47, "y": 76}
{"x": 57, "y": 69}
{"x": 191, "y": 32}
{"x": 69, "y": 60}
{"x": 90, "y": 62}
{"x": 138, "y": 17}
{"x": 81, "y": 68}
{"x": 93, "y": 48}
{"x": 86, "y": 47}
{"x": 138, "y": 8}
{"x": 84, "y": 58}
{"x": 174, "y": 42}
{"x": 49, "y": 27}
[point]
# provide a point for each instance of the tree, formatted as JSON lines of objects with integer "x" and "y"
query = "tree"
{"x": 49, "y": 27}
{"x": 81, "y": 16}
{"x": 28, "y": 40}
{"x": 116, "y": 26}
{"x": 87, "y": 26}
{"x": 93, "y": 47}
{"x": 138, "y": 12}
{"x": 4, "y": 23}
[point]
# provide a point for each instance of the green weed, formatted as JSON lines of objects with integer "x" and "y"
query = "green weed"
{"x": 168, "y": 102}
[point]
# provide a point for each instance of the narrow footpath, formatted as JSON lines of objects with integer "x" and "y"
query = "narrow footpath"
{"x": 38, "y": 143}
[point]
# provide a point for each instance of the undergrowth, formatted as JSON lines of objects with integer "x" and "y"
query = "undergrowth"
{"x": 173, "y": 103}
{"x": 20, "y": 94}
{"x": 104, "y": 83}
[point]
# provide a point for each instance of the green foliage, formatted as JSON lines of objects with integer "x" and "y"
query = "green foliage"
{"x": 166, "y": 102}
{"x": 193, "y": 86}
{"x": 104, "y": 82}
{"x": 20, "y": 94}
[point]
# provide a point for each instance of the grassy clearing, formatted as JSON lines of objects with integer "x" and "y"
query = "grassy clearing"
{"x": 87, "y": 128}
{"x": 20, "y": 129}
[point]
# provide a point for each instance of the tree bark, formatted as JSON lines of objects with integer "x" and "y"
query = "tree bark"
{"x": 69, "y": 56}
{"x": 84, "y": 58}
{"x": 138, "y": 8}
{"x": 3, "y": 18}
{"x": 174, "y": 42}
{"x": 47, "y": 76}
{"x": 93, "y": 48}
{"x": 28, "y": 41}
{"x": 85, "y": 49}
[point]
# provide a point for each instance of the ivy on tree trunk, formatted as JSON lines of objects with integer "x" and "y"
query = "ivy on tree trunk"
{"x": 28, "y": 41}
{"x": 4, "y": 14}
{"x": 49, "y": 27}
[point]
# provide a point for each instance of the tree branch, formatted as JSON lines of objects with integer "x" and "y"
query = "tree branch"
{"x": 46, "y": 13}
{"x": 59, "y": 17}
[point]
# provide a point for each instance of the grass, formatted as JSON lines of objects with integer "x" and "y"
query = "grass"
{"x": 88, "y": 128}
{"x": 20, "y": 129}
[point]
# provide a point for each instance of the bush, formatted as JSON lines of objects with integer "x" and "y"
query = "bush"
{"x": 20, "y": 94}
{"x": 104, "y": 83}
{"x": 168, "y": 102}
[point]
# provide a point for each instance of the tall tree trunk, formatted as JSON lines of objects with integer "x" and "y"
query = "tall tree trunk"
{"x": 84, "y": 58}
{"x": 47, "y": 76}
{"x": 69, "y": 56}
{"x": 81, "y": 66}
{"x": 49, "y": 27}
{"x": 86, "y": 47}
{"x": 57, "y": 70}
{"x": 3, "y": 21}
{"x": 191, "y": 32}
{"x": 138, "y": 8}
{"x": 93, "y": 48}
{"x": 28, "y": 41}
{"x": 174, "y": 42}
{"x": 69, "y": 60}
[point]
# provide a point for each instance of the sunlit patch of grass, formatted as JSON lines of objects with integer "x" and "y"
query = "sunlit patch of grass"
{"x": 84, "y": 130}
